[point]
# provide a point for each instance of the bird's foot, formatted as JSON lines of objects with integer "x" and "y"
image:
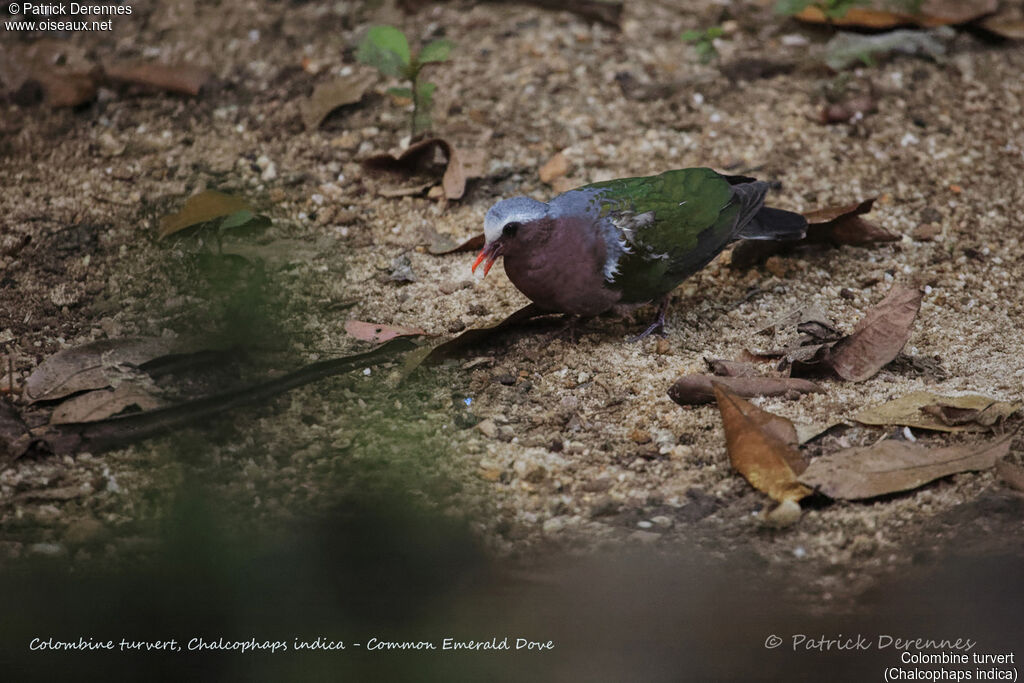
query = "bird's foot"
{"x": 658, "y": 324}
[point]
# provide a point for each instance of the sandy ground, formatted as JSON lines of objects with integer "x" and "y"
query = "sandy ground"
{"x": 545, "y": 459}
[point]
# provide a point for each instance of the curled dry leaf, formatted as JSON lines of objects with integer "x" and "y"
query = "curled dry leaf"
{"x": 691, "y": 390}
{"x": 183, "y": 79}
{"x": 841, "y": 225}
{"x": 925, "y": 410}
{"x": 891, "y": 466}
{"x": 331, "y": 95}
{"x": 878, "y": 337}
{"x": 556, "y": 167}
{"x": 372, "y": 332}
{"x": 1008, "y": 22}
{"x": 931, "y": 13}
{"x": 103, "y": 403}
{"x": 760, "y": 447}
{"x": 834, "y": 225}
{"x": 93, "y": 366}
{"x": 200, "y": 208}
{"x": 420, "y": 160}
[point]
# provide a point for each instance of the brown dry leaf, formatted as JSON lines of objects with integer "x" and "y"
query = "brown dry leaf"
{"x": 101, "y": 404}
{"x": 94, "y": 365}
{"x": 891, "y": 466}
{"x": 844, "y": 112}
{"x": 932, "y": 13}
{"x": 444, "y": 244}
{"x": 878, "y": 337}
{"x": 556, "y": 167}
{"x": 329, "y": 96}
{"x": 420, "y": 160}
{"x": 925, "y": 410}
{"x": 1008, "y": 22}
{"x": 690, "y": 390}
{"x": 840, "y": 225}
{"x": 200, "y": 208}
{"x": 756, "y": 451}
{"x": 372, "y": 332}
{"x": 183, "y": 79}
{"x": 1011, "y": 474}
{"x": 834, "y": 225}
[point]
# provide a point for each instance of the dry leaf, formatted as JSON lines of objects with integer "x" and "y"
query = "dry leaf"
{"x": 891, "y": 466}
{"x": 183, "y": 79}
{"x": 443, "y": 244}
{"x": 691, "y": 390}
{"x": 372, "y": 332}
{"x": 94, "y": 365}
{"x": 1008, "y": 22}
{"x": 835, "y": 226}
{"x": 809, "y": 431}
{"x": 925, "y": 410}
{"x": 329, "y": 96}
{"x": 756, "y": 451}
{"x": 932, "y": 13}
{"x": 844, "y": 225}
{"x": 101, "y": 404}
{"x": 419, "y": 160}
{"x": 556, "y": 167}
{"x": 200, "y": 208}
{"x": 878, "y": 337}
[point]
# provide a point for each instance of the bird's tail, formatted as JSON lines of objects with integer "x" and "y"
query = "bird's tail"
{"x": 774, "y": 224}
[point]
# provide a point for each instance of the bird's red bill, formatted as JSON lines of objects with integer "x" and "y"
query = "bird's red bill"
{"x": 491, "y": 258}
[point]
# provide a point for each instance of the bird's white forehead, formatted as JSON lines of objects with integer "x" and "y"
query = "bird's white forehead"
{"x": 516, "y": 209}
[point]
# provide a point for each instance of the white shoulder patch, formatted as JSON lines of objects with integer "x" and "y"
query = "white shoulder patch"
{"x": 619, "y": 237}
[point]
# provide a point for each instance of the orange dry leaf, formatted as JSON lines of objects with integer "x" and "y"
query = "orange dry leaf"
{"x": 932, "y": 13}
{"x": 556, "y": 167}
{"x": 372, "y": 332}
{"x": 183, "y": 79}
{"x": 760, "y": 446}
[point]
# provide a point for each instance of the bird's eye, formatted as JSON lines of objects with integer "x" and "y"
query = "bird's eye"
{"x": 510, "y": 229}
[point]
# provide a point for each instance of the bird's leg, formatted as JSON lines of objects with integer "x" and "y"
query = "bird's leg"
{"x": 659, "y": 321}
{"x": 569, "y": 328}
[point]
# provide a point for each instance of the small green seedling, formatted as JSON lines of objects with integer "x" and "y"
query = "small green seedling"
{"x": 703, "y": 42}
{"x": 387, "y": 49}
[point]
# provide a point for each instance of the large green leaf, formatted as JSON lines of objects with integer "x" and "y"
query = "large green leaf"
{"x": 386, "y": 48}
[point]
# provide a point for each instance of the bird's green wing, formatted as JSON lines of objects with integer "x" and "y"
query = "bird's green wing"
{"x": 673, "y": 224}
